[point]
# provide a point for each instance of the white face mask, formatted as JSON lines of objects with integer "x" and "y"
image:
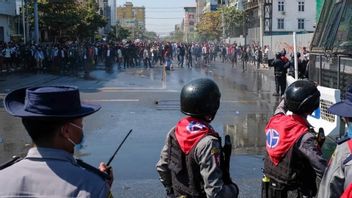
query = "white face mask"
{"x": 349, "y": 129}
{"x": 77, "y": 146}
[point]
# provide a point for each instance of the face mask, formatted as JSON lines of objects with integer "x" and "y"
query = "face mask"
{"x": 77, "y": 146}
{"x": 349, "y": 129}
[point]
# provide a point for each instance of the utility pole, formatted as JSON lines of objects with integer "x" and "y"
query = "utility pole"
{"x": 36, "y": 22}
{"x": 23, "y": 23}
{"x": 261, "y": 22}
{"x": 223, "y": 20}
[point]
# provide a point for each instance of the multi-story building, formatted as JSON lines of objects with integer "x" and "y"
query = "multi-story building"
{"x": 105, "y": 10}
{"x": 112, "y": 4}
{"x": 210, "y": 6}
{"x": 200, "y": 4}
{"x": 293, "y": 16}
{"x": 7, "y": 13}
{"x": 131, "y": 17}
{"x": 287, "y": 16}
{"x": 238, "y": 4}
{"x": 189, "y": 23}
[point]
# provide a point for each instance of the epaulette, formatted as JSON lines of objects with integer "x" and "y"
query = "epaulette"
{"x": 342, "y": 140}
{"x": 14, "y": 160}
{"x": 92, "y": 169}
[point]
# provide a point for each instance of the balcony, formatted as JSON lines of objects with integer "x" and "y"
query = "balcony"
{"x": 250, "y": 4}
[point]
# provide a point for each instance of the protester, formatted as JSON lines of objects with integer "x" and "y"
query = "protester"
{"x": 53, "y": 118}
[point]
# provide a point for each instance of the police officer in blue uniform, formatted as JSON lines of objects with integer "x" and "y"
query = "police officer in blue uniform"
{"x": 337, "y": 178}
{"x": 52, "y": 116}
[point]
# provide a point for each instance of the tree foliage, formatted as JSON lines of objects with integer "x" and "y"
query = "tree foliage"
{"x": 151, "y": 36}
{"x": 118, "y": 33}
{"x": 209, "y": 26}
{"x": 233, "y": 20}
{"x": 58, "y": 17}
{"x": 68, "y": 18}
{"x": 90, "y": 20}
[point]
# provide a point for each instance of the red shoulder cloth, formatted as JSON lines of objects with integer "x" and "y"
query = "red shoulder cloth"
{"x": 189, "y": 131}
{"x": 348, "y": 192}
{"x": 282, "y": 132}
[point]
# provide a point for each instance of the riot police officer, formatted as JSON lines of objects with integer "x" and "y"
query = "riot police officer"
{"x": 190, "y": 162}
{"x": 293, "y": 158}
{"x": 338, "y": 175}
{"x": 280, "y": 74}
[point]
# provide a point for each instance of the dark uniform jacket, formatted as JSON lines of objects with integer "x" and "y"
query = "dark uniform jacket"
{"x": 298, "y": 165}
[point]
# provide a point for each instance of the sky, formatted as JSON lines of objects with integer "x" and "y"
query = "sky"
{"x": 162, "y": 15}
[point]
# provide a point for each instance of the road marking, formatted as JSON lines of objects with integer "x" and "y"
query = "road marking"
{"x": 114, "y": 100}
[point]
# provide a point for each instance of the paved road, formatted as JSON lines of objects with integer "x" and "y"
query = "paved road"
{"x": 128, "y": 100}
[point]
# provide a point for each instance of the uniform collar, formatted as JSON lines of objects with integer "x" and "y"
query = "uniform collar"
{"x": 37, "y": 153}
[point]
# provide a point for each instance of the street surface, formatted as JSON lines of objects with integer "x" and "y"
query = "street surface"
{"x": 137, "y": 98}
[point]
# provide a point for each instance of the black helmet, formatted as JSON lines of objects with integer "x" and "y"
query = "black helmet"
{"x": 200, "y": 98}
{"x": 302, "y": 96}
{"x": 278, "y": 55}
{"x": 298, "y": 54}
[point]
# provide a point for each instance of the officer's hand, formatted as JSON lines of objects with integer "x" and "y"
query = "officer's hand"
{"x": 107, "y": 169}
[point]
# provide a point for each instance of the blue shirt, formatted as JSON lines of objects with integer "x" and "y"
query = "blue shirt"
{"x": 47, "y": 172}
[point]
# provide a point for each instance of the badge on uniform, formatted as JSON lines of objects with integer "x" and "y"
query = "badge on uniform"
{"x": 215, "y": 152}
{"x": 272, "y": 138}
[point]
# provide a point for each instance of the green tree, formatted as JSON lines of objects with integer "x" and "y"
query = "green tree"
{"x": 153, "y": 36}
{"x": 68, "y": 19}
{"x": 209, "y": 27}
{"x": 90, "y": 20}
{"x": 118, "y": 33}
{"x": 233, "y": 20}
{"x": 56, "y": 17}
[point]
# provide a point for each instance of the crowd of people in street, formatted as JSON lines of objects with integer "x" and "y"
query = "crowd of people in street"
{"x": 193, "y": 162}
{"x": 74, "y": 57}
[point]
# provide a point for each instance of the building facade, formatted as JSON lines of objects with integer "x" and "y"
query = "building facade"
{"x": 210, "y": 6}
{"x": 112, "y": 4}
{"x": 7, "y": 14}
{"x": 200, "y": 4}
{"x": 287, "y": 16}
{"x": 131, "y": 17}
{"x": 293, "y": 16}
{"x": 105, "y": 10}
{"x": 238, "y": 4}
{"x": 189, "y": 23}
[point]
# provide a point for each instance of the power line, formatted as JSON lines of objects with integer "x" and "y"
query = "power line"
{"x": 157, "y": 8}
{"x": 160, "y": 24}
{"x": 152, "y": 11}
{"x": 165, "y": 18}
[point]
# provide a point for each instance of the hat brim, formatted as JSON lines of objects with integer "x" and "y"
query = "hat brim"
{"x": 14, "y": 105}
{"x": 341, "y": 109}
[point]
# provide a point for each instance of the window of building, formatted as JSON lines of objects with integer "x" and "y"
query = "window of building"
{"x": 301, "y": 6}
{"x": 300, "y": 24}
{"x": 280, "y": 24}
{"x": 281, "y": 6}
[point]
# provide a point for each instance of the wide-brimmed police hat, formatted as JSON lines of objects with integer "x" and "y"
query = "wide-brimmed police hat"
{"x": 343, "y": 108}
{"x": 48, "y": 102}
